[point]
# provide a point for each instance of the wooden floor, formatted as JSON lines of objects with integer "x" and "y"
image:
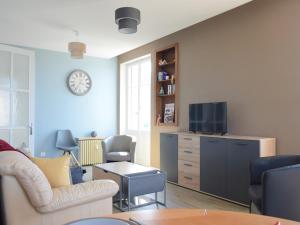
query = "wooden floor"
{"x": 178, "y": 197}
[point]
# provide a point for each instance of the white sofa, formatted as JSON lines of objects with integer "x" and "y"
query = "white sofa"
{"x": 28, "y": 198}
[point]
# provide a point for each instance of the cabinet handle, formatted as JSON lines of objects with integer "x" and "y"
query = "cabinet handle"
{"x": 188, "y": 178}
{"x": 188, "y": 152}
{"x": 212, "y": 141}
{"x": 187, "y": 164}
{"x": 241, "y": 144}
{"x": 188, "y": 139}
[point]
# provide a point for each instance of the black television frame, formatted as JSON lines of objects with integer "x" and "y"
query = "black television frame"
{"x": 221, "y": 131}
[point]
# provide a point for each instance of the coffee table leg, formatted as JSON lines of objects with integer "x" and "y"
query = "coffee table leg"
{"x": 121, "y": 193}
{"x": 128, "y": 194}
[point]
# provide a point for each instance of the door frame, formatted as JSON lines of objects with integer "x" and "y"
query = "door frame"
{"x": 31, "y": 88}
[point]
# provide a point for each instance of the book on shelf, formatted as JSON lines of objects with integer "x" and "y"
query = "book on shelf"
{"x": 169, "y": 113}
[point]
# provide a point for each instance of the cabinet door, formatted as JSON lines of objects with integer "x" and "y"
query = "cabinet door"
{"x": 240, "y": 153}
{"x": 169, "y": 156}
{"x": 213, "y": 164}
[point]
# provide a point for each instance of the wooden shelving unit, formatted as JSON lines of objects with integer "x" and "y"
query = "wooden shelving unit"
{"x": 170, "y": 67}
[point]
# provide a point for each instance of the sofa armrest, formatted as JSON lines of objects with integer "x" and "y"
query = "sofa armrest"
{"x": 281, "y": 192}
{"x": 259, "y": 166}
{"x": 78, "y": 194}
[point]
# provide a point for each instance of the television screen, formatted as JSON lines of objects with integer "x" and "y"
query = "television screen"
{"x": 208, "y": 117}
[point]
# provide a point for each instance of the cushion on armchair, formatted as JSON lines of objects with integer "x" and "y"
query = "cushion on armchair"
{"x": 118, "y": 156}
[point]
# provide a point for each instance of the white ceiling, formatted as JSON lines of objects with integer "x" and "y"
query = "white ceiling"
{"x": 48, "y": 24}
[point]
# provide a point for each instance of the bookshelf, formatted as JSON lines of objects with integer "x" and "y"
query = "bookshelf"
{"x": 166, "y": 77}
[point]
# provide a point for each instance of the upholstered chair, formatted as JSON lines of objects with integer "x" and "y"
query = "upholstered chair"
{"x": 27, "y": 197}
{"x": 118, "y": 148}
{"x": 275, "y": 186}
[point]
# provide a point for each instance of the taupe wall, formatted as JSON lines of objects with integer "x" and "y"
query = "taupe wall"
{"x": 249, "y": 57}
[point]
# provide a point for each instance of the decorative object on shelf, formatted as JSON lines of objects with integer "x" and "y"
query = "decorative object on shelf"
{"x": 162, "y": 62}
{"x": 165, "y": 74}
{"x": 161, "y": 91}
{"x": 169, "y": 113}
{"x": 167, "y": 77}
{"x": 173, "y": 89}
{"x": 172, "y": 79}
{"x": 94, "y": 134}
{"x": 77, "y": 49}
{"x": 160, "y": 76}
{"x": 127, "y": 19}
{"x": 79, "y": 82}
{"x": 169, "y": 89}
{"x": 158, "y": 119}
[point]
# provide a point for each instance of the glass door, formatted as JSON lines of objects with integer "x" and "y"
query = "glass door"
{"x": 16, "y": 96}
{"x": 138, "y": 107}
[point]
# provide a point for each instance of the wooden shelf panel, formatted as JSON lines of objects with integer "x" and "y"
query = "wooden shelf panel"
{"x": 166, "y": 95}
{"x": 164, "y": 81}
{"x": 167, "y": 125}
{"x": 167, "y": 64}
{"x": 171, "y": 56}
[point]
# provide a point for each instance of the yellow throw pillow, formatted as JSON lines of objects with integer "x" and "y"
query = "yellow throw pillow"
{"x": 57, "y": 170}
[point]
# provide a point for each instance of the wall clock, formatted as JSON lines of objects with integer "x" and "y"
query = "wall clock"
{"x": 79, "y": 82}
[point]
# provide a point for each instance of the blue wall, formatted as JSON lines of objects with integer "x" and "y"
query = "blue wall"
{"x": 57, "y": 108}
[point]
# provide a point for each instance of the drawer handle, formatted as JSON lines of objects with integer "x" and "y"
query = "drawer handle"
{"x": 211, "y": 141}
{"x": 188, "y": 178}
{"x": 241, "y": 144}
{"x": 189, "y": 152}
{"x": 188, "y": 139}
{"x": 187, "y": 164}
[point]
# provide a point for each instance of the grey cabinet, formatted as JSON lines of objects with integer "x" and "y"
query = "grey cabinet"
{"x": 240, "y": 153}
{"x": 213, "y": 160}
{"x": 169, "y": 155}
{"x": 223, "y": 162}
{"x": 224, "y": 167}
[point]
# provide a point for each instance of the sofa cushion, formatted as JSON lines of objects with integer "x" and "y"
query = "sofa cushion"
{"x": 31, "y": 178}
{"x": 118, "y": 156}
{"x": 255, "y": 193}
{"x": 57, "y": 170}
{"x": 77, "y": 194}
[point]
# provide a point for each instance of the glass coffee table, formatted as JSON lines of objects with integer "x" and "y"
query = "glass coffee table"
{"x": 135, "y": 181}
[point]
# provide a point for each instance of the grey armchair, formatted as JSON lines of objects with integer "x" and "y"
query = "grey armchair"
{"x": 118, "y": 148}
{"x": 275, "y": 186}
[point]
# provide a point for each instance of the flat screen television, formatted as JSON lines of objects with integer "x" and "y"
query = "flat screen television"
{"x": 210, "y": 118}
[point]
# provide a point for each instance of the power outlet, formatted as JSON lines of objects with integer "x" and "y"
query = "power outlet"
{"x": 43, "y": 154}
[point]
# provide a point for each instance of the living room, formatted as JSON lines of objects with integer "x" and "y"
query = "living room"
{"x": 136, "y": 90}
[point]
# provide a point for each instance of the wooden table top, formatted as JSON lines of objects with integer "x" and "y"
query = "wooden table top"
{"x": 199, "y": 217}
{"x": 124, "y": 168}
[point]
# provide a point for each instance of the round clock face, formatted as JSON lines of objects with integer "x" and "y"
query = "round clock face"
{"x": 79, "y": 82}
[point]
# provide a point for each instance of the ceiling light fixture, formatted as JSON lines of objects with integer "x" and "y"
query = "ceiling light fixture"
{"x": 127, "y": 19}
{"x": 77, "y": 49}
